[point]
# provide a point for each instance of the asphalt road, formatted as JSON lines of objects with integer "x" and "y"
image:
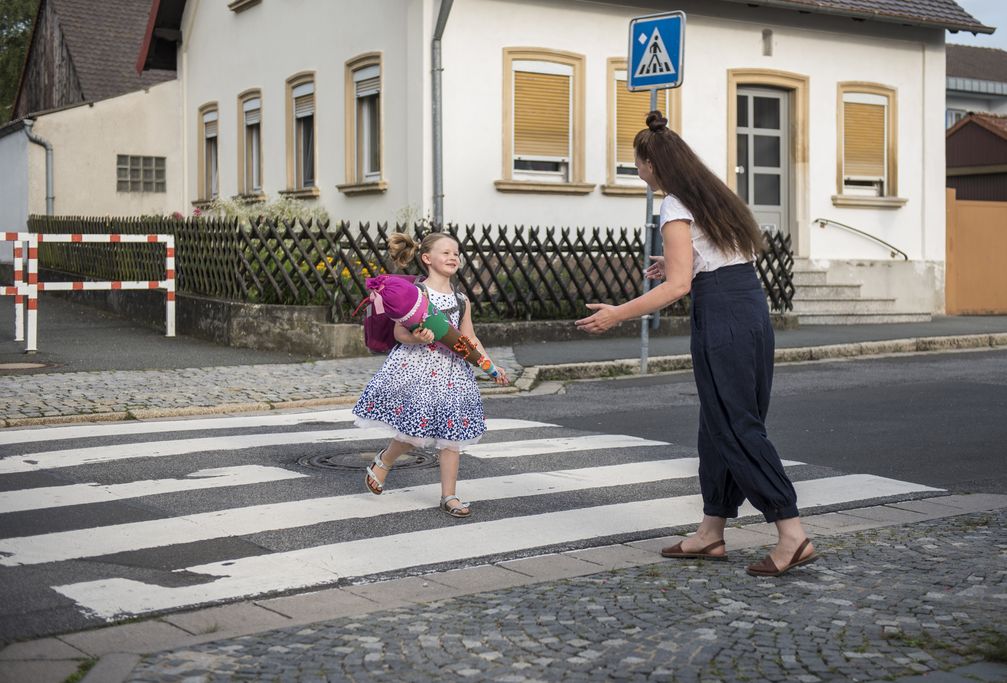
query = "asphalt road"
{"x": 936, "y": 419}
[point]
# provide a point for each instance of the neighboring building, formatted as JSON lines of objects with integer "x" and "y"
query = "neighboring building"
{"x": 977, "y": 81}
{"x": 113, "y": 133}
{"x": 977, "y": 158}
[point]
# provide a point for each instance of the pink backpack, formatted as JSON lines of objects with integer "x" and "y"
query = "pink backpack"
{"x": 379, "y": 329}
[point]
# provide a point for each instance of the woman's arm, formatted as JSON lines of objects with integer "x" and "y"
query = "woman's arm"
{"x": 677, "y": 239}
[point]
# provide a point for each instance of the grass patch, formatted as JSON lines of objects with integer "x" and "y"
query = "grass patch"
{"x": 81, "y": 671}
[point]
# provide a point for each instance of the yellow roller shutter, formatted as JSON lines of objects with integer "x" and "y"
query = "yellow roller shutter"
{"x": 541, "y": 115}
{"x": 863, "y": 140}
{"x": 631, "y": 109}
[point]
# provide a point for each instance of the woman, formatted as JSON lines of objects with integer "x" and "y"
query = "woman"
{"x": 710, "y": 243}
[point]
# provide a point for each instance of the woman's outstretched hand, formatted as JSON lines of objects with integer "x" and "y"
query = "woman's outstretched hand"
{"x": 655, "y": 271}
{"x": 604, "y": 319}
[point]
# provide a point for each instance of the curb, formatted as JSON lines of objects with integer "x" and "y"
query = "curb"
{"x": 120, "y": 648}
{"x": 532, "y": 376}
{"x": 629, "y": 367}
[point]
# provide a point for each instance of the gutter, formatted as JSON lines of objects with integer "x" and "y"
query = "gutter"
{"x": 49, "y": 197}
{"x": 436, "y": 92}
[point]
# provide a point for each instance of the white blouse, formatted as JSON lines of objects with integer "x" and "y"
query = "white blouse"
{"x": 705, "y": 254}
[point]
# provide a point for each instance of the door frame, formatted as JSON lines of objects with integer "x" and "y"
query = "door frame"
{"x": 797, "y": 87}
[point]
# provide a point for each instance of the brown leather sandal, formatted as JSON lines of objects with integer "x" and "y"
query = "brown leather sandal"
{"x": 766, "y": 566}
{"x": 702, "y": 554}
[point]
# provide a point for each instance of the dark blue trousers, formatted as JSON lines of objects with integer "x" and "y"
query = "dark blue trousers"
{"x": 732, "y": 359}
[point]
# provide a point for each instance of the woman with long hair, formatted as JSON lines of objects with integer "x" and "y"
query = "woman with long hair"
{"x": 711, "y": 241}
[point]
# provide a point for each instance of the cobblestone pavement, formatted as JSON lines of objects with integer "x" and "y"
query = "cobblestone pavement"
{"x": 880, "y": 605}
{"x": 91, "y": 393}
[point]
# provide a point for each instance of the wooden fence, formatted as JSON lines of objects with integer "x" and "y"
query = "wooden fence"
{"x": 508, "y": 273}
{"x": 975, "y": 279}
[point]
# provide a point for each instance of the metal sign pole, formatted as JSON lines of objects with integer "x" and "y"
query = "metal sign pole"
{"x": 648, "y": 249}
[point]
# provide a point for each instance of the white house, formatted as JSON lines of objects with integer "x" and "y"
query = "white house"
{"x": 977, "y": 81}
{"x": 810, "y": 109}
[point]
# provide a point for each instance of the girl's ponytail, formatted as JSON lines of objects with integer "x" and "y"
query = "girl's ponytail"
{"x": 402, "y": 248}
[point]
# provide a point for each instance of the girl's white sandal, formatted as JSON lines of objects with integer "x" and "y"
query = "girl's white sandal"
{"x": 461, "y": 510}
{"x": 377, "y": 488}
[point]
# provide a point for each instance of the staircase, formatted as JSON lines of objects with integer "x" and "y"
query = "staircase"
{"x": 816, "y": 302}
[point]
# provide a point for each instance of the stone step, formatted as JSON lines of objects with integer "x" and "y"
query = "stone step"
{"x": 826, "y": 292}
{"x": 862, "y": 319}
{"x": 810, "y": 277}
{"x": 842, "y": 306}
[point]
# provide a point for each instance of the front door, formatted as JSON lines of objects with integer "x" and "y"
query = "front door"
{"x": 763, "y": 170}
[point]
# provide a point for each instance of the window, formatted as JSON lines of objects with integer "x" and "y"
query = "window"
{"x": 208, "y": 176}
{"x": 139, "y": 174}
{"x": 301, "y": 136}
{"x": 250, "y": 144}
{"x": 627, "y": 114}
{"x": 867, "y": 147}
{"x": 543, "y": 137}
{"x": 953, "y": 116}
{"x": 363, "y": 133}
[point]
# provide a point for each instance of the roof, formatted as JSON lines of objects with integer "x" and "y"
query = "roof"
{"x": 994, "y": 123}
{"x": 980, "y": 63}
{"x": 946, "y": 14}
{"x": 103, "y": 39}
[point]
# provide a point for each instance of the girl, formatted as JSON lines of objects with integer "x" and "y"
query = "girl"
{"x": 425, "y": 395}
{"x": 710, "y": 242}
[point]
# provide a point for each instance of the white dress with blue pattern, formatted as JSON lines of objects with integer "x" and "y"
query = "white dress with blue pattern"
{"x": 425, "y": 394}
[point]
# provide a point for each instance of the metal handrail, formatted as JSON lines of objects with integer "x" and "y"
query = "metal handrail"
{"x": 893, "y": 250}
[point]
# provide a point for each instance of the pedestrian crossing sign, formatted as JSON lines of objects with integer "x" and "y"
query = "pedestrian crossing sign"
{"x": 656, "y": 48}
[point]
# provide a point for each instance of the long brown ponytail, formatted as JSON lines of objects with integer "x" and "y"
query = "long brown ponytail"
{"x": 718, "y": 211}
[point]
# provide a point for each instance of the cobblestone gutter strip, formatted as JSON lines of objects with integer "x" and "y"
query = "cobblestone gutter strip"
{"x": 631, "y": 366}
{"x": 883, "y": 603}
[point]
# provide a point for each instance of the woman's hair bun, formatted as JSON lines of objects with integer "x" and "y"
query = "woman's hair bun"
{"x": 656, "y": 121}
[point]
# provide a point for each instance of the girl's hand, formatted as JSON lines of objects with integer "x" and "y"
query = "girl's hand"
{"x": 422, "y": 335}
{"x": 502, "y": 379}
{"x": 655, "y": 271}
{"x": 604, "y": 319}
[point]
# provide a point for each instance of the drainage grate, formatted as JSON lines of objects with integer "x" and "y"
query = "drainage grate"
{"x": 356, "y": 461}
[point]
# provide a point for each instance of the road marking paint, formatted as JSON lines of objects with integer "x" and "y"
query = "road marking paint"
{"x": 106, "y": 540}
{"x": 84, "y": 494}
{"x": 33, "y": 462}
{"x": 309, "y": 567}
{"x": 564, "y": 444}
{"x": 8, "y": 437}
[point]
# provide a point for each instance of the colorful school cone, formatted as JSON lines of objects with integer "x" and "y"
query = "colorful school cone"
{"x": 404, "y": 302}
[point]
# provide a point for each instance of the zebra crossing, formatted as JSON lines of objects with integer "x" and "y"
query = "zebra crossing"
{"x": 126, "y": 519}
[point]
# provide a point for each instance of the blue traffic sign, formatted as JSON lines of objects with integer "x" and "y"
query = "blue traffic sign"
{"x": 656, "y": 48}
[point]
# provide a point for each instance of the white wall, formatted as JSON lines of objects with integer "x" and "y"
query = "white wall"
{"x": 13, "y": 188}
{"x": 226, "y": 53}
{"x": 86, "y": 141}
{"x": 719, "y": 37}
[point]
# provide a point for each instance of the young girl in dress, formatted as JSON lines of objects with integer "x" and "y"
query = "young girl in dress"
{"x": 424, "y": 394}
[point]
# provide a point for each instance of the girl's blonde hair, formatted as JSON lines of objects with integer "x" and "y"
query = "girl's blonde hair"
{"x": 403, "y": 248}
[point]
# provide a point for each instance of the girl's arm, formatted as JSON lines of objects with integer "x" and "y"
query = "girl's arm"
{"x": 678, "y": 281}
{"x": 467, "y": 329}
{"x": 404, "y": 336}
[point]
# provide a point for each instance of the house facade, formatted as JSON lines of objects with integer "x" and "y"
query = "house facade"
{"x": 977, "y": 82}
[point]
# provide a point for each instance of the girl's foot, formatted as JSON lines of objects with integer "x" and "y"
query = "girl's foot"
{"x": 377, "y": 472}
{"x": 455, "y": 507}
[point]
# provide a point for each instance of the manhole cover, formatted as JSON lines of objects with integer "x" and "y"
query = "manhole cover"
{"x": 21, "y": 366}
{"x": 356, "y": 461}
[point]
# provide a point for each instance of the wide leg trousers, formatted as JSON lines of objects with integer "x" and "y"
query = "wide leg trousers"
{"x": 732, "y": 357}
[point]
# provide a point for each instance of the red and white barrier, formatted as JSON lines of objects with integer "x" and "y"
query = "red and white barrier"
{"x": 27, "y": 291}
{"x": 25, "y": 295}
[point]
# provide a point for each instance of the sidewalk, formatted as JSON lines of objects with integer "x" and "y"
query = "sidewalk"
{"x": 893, "y": 598}
{"x": 97, "y": 366}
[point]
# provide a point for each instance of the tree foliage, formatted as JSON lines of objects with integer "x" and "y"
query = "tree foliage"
{"x": 16, "y": 17}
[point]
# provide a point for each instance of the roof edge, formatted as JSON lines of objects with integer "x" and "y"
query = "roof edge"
{"x": 148, "y": 35}
{"x": 979, "y": 120}
{"x": 877, "y": 16}
{"x": 27, "y": 54}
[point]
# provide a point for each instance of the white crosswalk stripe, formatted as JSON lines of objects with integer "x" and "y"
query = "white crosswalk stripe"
{"x": 319, "y": 556}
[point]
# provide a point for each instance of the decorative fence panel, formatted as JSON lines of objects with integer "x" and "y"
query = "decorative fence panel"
{"x": 508, "y": 274}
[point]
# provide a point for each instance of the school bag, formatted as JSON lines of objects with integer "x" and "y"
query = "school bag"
{"x": 379, "y": 329}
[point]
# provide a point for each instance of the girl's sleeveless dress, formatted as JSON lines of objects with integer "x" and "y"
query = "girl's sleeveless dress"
{"x": 425, "y": 394}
